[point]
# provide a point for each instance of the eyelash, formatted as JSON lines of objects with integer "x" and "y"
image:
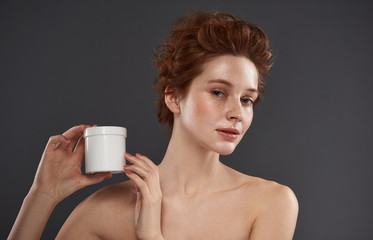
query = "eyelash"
{"x": 221, "y": 94}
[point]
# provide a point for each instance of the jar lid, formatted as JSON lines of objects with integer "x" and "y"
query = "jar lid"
{"x": 105, "y": 130}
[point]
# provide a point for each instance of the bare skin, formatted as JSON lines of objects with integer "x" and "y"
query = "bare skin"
{"x": 252, "y": 208}
{"x": 201, "y": 197}
{"x": 190, "y": 195}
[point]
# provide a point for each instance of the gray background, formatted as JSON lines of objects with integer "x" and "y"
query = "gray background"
{"x": 66, "y": 63}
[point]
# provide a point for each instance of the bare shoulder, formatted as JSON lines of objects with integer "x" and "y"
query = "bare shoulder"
{"x": 117, "y": 194}
{"x": 262, "y": 191}
{"x": 107, "y": 211}
{"x": 270, "y": 192}
{"x": 276, "y": 209}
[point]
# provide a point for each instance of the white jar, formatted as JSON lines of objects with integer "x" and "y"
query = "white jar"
{"x": 104, "y": 149}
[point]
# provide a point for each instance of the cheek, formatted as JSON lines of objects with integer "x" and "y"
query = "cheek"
{"x": 248, "y": 118}
{"x": 199, "y": 109}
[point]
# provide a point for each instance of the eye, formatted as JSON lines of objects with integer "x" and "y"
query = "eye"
{"x": 218, "y": 93}
{"x": 247, "y": 101}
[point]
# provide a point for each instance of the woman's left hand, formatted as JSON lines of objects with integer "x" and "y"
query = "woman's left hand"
{"x": 144, "y": 173}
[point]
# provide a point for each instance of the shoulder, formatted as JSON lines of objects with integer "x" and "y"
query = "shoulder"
{"x": 110, "y": 199}
{"x": 271, "y": 192}
{"x": 276, "y": 209}
{"x": 263, "y": 194}
{"x": 260, "y": 188}
{"x": 101, "y": 212}
{"x": 121, "y": 193}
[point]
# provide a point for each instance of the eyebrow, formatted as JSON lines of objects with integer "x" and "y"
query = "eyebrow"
{"x": 225, "y": 82}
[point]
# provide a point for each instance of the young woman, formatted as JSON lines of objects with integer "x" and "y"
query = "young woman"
{"x": 211, "y": 74}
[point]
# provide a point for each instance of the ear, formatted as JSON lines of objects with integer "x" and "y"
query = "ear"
{"x": 172, "y": 100}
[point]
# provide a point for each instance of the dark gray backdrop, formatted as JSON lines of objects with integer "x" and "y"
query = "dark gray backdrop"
{"x": 66, "y": 63}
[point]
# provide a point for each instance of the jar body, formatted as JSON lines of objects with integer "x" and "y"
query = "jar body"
{"x": 104, "y": 152}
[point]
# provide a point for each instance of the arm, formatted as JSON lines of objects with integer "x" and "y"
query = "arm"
{"x": 32, "y": 218}
{"x": 58, "y": 176}
{"x": 277, "y": 216}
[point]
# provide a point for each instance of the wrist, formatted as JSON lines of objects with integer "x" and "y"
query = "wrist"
{"x": 36, "y": 196}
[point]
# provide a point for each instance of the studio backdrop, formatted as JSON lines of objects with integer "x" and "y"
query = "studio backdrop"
{"x": 64, "y": 63}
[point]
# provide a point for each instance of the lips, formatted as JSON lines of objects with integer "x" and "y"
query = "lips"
{"x": 228, "y": 133}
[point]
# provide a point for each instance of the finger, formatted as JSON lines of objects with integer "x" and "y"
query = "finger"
{"x": 74, "y": 134}
{"x": 147, "y": 161}
{"x": 57, "y": 141}
{"x": 80, "y": 146}
{"x": 144, "y": 170}
{"x": 94, "y": 178}
{"x": 140, "y": 184}
{"x": 153, "y": 167}
{"x": 135, "y": 160}
{"x": 147, "y": 175}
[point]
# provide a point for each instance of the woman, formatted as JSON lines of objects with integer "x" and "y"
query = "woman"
{"x": 211, "y": 74}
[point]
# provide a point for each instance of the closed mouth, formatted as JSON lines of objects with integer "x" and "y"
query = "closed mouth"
{"x": 229, "y": 130}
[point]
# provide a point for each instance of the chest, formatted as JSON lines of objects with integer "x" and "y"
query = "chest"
{"x": 213, "y": 218}
{"x": 229, "y": 216}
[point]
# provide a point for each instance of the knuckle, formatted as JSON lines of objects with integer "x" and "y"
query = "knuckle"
{"x": 148, "y": 172}
{"x": 54, "y": 138}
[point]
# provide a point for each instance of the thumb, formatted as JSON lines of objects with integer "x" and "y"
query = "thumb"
{"x": 95, "y": 178}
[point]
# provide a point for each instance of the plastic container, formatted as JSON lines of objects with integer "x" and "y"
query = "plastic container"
{"x": 104, "y": 149}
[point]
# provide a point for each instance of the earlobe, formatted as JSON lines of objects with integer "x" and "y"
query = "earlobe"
{"x": 172, "y": 100}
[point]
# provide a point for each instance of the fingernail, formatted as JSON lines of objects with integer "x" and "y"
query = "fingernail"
{"x": 128, "y": 154}
{"x": 128, "y": 172}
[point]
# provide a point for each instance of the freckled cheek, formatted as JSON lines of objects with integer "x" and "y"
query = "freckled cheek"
{"x": 204, "y": 110}
{"x": 248, "y": 118}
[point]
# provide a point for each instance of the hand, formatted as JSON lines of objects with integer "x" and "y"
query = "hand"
{"x": 144, "y": 173}
{"x": 59, "y": 173}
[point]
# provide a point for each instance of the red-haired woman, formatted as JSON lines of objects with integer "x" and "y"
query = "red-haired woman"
{"x": 211, "y": 73}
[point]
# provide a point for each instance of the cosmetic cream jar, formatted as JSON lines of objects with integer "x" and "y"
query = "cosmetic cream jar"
{"x": 104, "y": 149}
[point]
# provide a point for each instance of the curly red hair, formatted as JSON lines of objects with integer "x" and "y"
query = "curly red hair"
{"x": 199, "y": 37}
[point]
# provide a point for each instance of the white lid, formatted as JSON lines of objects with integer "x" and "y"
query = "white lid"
{"x": 105, "y": 130}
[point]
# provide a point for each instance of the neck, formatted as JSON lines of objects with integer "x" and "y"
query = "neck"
{"x": 187, "y": 168}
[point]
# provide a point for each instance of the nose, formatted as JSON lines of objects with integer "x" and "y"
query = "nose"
{"x": 235, "y": 111}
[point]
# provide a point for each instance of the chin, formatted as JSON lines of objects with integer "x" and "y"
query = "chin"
{"x": 226, "y": 149}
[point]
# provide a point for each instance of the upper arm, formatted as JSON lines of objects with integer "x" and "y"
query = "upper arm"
{"x": 108, "y": 214}
{"x": 81, "y": 224}
{"x": 277, "y": 216}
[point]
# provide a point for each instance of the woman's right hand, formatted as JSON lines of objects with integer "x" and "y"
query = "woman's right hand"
{"x": 59, "y": 173}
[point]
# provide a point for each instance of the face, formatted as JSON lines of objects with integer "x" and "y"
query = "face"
{"x": 218, "y": 108}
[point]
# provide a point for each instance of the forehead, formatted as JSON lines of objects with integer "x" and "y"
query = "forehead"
{"x": 239, "y": 71}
